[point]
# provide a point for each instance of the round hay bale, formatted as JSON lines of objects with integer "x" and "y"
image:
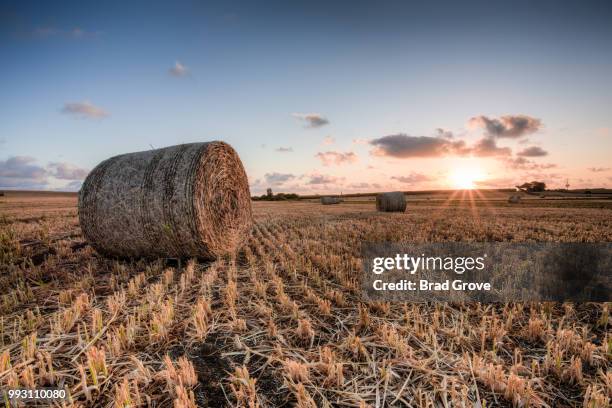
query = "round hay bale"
{"x": 330, "y": 200}
{"x": 391, "y": 202}
{"x": 190, "y": 200}
{"x": 514, "y": 199}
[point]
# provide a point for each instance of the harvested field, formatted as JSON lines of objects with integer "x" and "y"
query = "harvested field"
{"x": 283, "y": 324}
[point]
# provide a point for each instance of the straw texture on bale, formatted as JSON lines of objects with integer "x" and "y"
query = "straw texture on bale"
{"x": 514, "y": 199}
{"x": 391, "y": 202}
{"x": 190, "y": 200}
{"x": 330, "y": 200}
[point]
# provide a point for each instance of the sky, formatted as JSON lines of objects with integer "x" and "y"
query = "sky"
{"x": 317, "y": 96}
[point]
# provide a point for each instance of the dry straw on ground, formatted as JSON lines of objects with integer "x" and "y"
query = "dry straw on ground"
{"x": 189, "y": 200}
{"x": 330, "y": 200}
{"x": 391, "y": 202}
{"x": 285, "y": 324}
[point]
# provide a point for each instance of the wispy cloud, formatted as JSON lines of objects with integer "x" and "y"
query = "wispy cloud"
{"x": 72, "y": 186}
{"x": 329, "y": 158}
{"x": 412, "y": 178}
{"x": 278, "y": 178}
{"x": 179, "y": 70}
{"x": 321, "y": 179}
{"x": 304, "y": 183}
{"x": 23, "y": 172}
{"x": 404, "y": 146}
{"x": 311, "y": 120}
{"x": 76, "y": 33}
{"x": 599, "y": 169}
{"x": 328, "y": 141}
{"x": 284, "y": 149}
{"x": 532, "y": 151}
{"x": 84, "y": 110}
{"x": 447, "y": 134}
{"x": 45, "y": 32}
{"x": 67, "y": 171}
{"x": 445, "y": 143}
{"x": 521, "y": 163}
{"x": 508, "y": 126}
{"x": 364, "y": 186}
{"x": 487, "y": 147}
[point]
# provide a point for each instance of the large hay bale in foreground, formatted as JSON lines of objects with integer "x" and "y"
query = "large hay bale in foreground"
{"x": 190, "y": 200}
{"x": 391, "y": 202}
{"x": 514, "y": 199}
{"x": 330, "y": 200}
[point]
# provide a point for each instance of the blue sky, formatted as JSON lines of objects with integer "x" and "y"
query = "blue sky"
{"x": 82, "y": 81}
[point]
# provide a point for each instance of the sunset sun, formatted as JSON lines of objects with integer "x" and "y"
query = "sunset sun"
{"x": 465, "y": 178}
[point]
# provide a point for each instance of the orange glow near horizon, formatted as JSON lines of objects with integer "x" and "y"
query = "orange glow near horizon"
{"x": 465, "y": 178}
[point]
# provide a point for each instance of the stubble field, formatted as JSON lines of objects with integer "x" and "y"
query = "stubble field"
{"x": 284, "y": 323}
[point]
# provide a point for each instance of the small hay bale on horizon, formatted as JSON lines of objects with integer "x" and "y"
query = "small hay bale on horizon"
{"x": 514, "y": 199}
{"x": 327, "y": 200}
{"x": 394, "y": 201}
{"x": 189, "y": 200}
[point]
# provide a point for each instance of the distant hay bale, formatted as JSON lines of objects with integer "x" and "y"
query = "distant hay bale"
{"x": 330, "y": 200}
{"x": 391, "y": 202}
{"x": 190, "y": 200}
{"x": 514, "y": 199}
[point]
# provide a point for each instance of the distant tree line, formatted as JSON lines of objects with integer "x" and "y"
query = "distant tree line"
{"x": 269, "y": 196}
